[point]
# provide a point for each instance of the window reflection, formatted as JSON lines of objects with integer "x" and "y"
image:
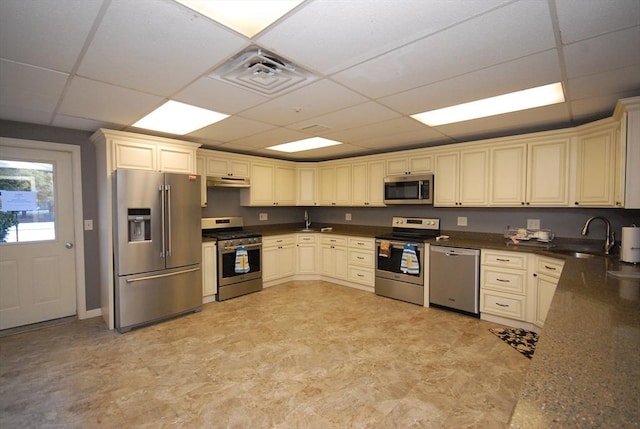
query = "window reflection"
{"x": 27, "y": 201}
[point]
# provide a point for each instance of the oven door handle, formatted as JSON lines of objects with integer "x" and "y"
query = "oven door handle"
{"x": 247, "y": 246}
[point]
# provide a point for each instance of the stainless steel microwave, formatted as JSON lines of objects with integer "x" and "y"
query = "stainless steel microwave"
{"x": 412, "y": 189}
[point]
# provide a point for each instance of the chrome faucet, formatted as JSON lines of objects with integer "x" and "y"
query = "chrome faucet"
{"x": 307, "y": 222}
{"x": 611, "y": 236}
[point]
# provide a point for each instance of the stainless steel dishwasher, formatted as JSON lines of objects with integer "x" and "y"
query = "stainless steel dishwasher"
{"x": 454, "y": 279}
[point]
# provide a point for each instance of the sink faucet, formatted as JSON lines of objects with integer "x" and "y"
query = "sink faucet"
{"x": 307, "y": 222}
{"x": 611, "y": 237}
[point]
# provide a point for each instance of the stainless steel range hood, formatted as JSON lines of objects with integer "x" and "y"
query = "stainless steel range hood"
{"x": 228, "y": 182}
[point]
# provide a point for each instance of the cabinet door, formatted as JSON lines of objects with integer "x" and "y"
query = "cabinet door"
{"x": 546, "y": 288}
{"x": 473, "y": 177}
{"x": 138, "y": 156}
{"x": 327, "y": 186}
{"x": 262, "y": 185}
{"x": 507, "y": 181}
{"x": 359, "y": 184}
{"x": 209, "y": 269}
{"x": 327, "y": 261}
{"x": 421, "y": 164}
{"x": 307, "y": 187}
{"x": 398, "y": 166}
{"x": 285, "y": 185}
{"x": 307, "y": 258}
{"x": 446, "y": 180}
{"x": 595, "y": 180}
{"x": 238, "y": 168}
{"x": 176, "y": 160}
{"x": 287, "y": 260}
{"x": 548, "y": 173}
{"x": 375, "y": 183}
{"x": 341, "y": 262}
{"x": 216, "y": 166}
{"x": 270, "y": 262}
{"x": 343, "y": 185}
{"x": 200, "y": 170}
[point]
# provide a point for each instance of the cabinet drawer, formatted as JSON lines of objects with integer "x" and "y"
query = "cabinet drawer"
{"x": 549, "y": 266}
{"x": 510, "y": 281}
{"x": 334, "y": 240}
{"x": 511, "y": 306}
{"x": 361, "y": 243}
{"x": 361, "y": 275}
{"x": 364, "y": 259}
{"x": 307, "y": 238}
{"x": 504, "y": 259}
{"x": 278, "y": 240}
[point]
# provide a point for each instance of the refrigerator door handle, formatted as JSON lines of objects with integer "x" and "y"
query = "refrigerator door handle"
{"x": 168, "y": 232}
{"x": 158, "y": 276}
{"x": 162, "y": 216}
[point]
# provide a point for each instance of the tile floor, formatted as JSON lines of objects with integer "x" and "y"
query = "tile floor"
{"x": 298, "y": 355}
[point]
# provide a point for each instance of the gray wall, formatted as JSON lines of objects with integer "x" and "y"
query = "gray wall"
{"x": 44, "y": 133}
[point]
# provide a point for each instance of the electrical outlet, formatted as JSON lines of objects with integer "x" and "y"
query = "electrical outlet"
{"x": 462, "y": 221}
{"x": 88, "y": 224}
{"x": 264, "y": 216}
{"x": 533, "y": 223}
{"x": 347, "y": 216}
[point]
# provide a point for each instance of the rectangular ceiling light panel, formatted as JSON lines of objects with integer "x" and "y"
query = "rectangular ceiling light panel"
{"x": 248, "y": 17}
{"x": 306, "y": 144}
{"x": 179, "y": 118}
{"x": 506, "y": 103}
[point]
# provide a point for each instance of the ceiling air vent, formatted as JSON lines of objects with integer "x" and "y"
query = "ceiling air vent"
{"x": 262, "y": 72}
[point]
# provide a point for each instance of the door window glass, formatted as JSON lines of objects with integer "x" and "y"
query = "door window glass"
{"x": 27, "y": 201}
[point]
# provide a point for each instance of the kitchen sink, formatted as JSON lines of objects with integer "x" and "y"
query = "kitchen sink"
{"x": 575, "y": 253}
{"x": 306, "y": 230}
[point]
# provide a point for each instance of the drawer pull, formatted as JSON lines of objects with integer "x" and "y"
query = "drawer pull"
{"x": 360, "y": 257}
{"x": 550, "y": 268}
{"x": 501, "y": 305}
{"x": 360, "y": 275}
{"x": 503, "y": 260}
{"x": 504, "y": 280}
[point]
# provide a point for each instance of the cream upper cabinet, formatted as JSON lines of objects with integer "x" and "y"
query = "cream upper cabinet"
{"x": 335, "y": 185}
{"x": 530, "y": 174}
{"x": 271, "y": 185}
{"x": 221, "y": 164}
{"x": 628, "y": 190}
{"x": 367, "y": 183}
{"x": 412, "y": 164}
{"x": 596, "y": 157}
{"x": 461, "y": 178}
{"x": 307, "y": 186}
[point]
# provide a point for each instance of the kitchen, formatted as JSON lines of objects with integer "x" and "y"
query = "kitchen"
{"x": 565, "y": 221}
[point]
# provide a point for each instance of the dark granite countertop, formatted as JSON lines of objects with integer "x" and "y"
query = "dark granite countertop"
{"x": 586, "y": 369}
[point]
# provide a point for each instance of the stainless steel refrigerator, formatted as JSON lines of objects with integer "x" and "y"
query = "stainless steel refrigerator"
{"x": 157, "y": 246}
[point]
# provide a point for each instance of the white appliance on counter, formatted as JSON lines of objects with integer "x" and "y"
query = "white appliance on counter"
{"x": 630, "y": 245}
{"x": 157, "y": 247}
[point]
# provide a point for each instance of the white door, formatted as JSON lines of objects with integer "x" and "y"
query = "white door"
{"x": 37, "y": 258}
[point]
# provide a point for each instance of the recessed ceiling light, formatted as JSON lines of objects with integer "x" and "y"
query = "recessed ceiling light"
{"x": 306, "y": 144}
{"x": 248, "y": 17}
{"x": 512, "y": 102}
{"x": 179, "y": 118}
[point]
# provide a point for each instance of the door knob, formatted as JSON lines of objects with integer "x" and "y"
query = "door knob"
{"x": 68, "y": 245}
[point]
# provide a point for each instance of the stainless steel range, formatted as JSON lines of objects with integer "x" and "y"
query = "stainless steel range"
{"x": 239, "y": 256}
{"x": 400, "y": 261}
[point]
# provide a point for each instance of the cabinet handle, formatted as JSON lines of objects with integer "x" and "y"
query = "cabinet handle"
{"x": 360, "y": 257}
{"x": 504, "y": 281}
{"x": 576, "y": 203}
{"x": 503, "y": 260}
{"x": 501, "y": 305}
{"x": 360, "y": 275}
{"x": 550, "y": 268}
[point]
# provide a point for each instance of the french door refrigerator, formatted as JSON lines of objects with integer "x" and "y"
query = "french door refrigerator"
{"x": 157, "y": 246}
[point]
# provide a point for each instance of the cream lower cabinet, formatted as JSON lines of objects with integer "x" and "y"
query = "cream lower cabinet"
{"x": 461, "y": 178}
{"x": 503, "y": 284}
{"x": 307, "y": 257}
{"x": 361, "y": 261}
{"x": 333, "y": 256}
{"x": 546, "y": 275}
{"x": 209, "y": 270}
{"x": 367, "y": 184}
{"x": 278, "y": 257}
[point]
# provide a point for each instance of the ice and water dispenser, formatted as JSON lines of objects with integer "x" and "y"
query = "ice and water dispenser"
{"x": 139, "y": 224}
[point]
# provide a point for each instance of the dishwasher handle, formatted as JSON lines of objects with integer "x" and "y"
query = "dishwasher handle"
{"x": 455, "y": 251}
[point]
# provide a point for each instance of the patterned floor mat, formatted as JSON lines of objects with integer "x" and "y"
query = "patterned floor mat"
{"x": 520, "y": 339}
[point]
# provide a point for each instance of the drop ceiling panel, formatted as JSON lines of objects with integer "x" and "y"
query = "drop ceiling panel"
{"x": 531, "y": 71}
{"x": 386, "y": 128}
{"x": 610, "y": 82}
{"x": 608, "y": 52}
{"x": 48, "y": 34}
{"x": 76, "y": 123}
{"x": 231, "y": 128}
{"x": 31, "y": 88}
{"x": 16, "y": 113}
{"x": 589, "y": 109}
{"x": 351, "y": 117}
{"x": 155, "y": 47}
{"x": 218, "y": 96}
{"x": 500, "y": 36}
{"x": 405, "y": 140}
{"x": 313, "y": 100}
{"x": 269, "y": 138}
{"x": 580, "y": 19}
{"x": 316, "y": 35}
{"x": 100, "y": 101}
